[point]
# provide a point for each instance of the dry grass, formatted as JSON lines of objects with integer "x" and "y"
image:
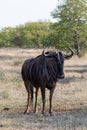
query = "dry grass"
{"x": 69, "y": 101}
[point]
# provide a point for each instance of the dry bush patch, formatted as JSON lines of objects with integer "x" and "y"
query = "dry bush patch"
{"x": 69, "y": 100}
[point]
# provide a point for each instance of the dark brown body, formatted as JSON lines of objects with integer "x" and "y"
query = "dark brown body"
{"x": 42, "y": 72}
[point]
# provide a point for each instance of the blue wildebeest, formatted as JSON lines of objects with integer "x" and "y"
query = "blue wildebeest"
{"x": 42, "y": 72}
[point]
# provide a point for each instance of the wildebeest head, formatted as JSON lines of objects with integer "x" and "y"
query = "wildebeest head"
{"x": 60, "y": 57}
{"x": 60, "y": 64}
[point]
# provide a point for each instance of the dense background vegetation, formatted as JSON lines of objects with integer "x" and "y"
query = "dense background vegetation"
{"x": 28, "y": 35}
{"x": 70, "y": 29}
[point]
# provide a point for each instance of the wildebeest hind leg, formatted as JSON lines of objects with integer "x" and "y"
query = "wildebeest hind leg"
{"x": 29, "y": 89}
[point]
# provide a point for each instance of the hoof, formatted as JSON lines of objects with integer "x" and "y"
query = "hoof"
{"x": 51, "y": 113}
{"x": 35, "y": 110}
{"x": 26, "y": 112}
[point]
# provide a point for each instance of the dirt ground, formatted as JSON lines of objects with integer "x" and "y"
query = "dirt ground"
{"x": 69, "y": 100}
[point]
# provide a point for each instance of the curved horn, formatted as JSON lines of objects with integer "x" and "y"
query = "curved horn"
{"x": 43, "y": 51}
{"x": 69, "y": 55}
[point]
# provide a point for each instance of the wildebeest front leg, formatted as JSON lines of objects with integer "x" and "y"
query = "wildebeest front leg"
{"x": 43, "y": 98}
{"x": 50, "y": 100}
{"x": 36, "y": 95}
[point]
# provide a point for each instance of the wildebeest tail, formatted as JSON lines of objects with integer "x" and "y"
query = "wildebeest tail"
{"x": 32, "y": 91}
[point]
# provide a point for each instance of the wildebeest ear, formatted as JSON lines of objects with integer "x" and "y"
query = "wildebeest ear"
{"x": 67, "y": 56}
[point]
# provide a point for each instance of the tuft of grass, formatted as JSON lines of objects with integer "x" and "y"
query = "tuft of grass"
{"x": 2, "y": 76}
{"x": 17, "y": 62}
{"x": 17, "y": 81}
{"x": 5, "y": 94}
